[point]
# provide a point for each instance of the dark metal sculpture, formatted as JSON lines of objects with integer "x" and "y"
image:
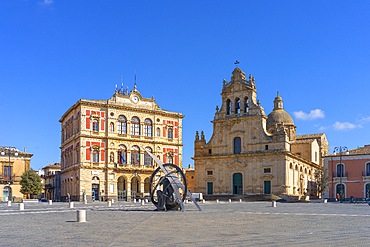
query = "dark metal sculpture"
{"x": 168, "y": 187}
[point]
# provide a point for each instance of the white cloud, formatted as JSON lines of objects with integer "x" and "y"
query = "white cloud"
{"x": 48, "y": 2}
{"x": 345, "y": 126}
{"x": 314, "y": 114}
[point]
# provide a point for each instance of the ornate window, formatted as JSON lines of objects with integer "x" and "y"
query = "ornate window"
{"x": 122, "y": 125}
{"x": 148, "y": 161}
{"x": 122, "y": 154}
{"x": 111, "y": 127}
{"x": 135, "y": 126}
{"x": 95, "y": 125}
{"x": 158, "y": 132}
{"x": 95, "y": 156}
{"x": 135, "y": 155}
{"x": 170, "y": 133}
{"x": 237, "y": 145}
{"x": 148, "y": 127}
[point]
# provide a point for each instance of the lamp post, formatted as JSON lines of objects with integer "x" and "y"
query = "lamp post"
{"x": 340, "y": 149}
{"x": 8, "y": 151}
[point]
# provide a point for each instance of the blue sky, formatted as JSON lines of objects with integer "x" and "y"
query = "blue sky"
{"x": 54, "y": 52}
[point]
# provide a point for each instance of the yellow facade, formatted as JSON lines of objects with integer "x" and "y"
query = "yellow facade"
{"x": 254, "y": 153}
{"x": 13, "y": 163}
{"x": 104, "y": 141}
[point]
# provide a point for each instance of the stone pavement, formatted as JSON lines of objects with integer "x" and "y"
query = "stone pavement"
{"x": 218, "y": 224}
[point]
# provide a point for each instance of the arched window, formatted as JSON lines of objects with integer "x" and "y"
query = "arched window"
{"x": 158, "y": 132}
{"x": 237, "y": 106}
{"x": 135, "y": 126}
{"x": 122, "y": 154}
{"x": 148, "y": 161}
{"x": 122, "y": 125}
{"x": 111, "y": 127}
{"x": 96, "y": 156}
{"x": 237, "y": 145}
{"x": 148, "y": 127}
{"x": 95, "y": 125}
{"x": 228, "y": 107}
{"x": 246, "y": 105}
{"x": 135, "y": 155}
{"x": 340, "y": 170}
{"x": 170, "y": 133}
{"x": 368, "y": 169}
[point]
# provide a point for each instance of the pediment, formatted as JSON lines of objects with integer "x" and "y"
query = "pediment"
{"x": 237, "y": 164}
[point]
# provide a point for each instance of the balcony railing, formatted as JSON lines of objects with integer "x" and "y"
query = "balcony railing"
{"x": 338, "y": 174}
{"x": 366, "y": 174}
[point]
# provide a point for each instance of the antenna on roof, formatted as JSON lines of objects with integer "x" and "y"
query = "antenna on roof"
{"x": 135, "y": 80}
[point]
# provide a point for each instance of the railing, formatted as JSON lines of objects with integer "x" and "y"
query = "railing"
{"x": 338, "y": 174}
{"x": 366, "y": 174}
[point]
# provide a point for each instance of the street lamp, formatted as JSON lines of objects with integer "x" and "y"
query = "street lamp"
{"x": 8, "y": 151}
{"x": 340, "y": 149}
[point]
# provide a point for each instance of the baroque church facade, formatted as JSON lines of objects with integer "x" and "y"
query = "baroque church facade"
{"x": 250, "y": 152}
{"x": 104, "y": 146}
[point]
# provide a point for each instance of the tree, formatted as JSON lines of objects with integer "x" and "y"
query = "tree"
{"x": 31, "y": 183}
{"x": 322, "y": 179}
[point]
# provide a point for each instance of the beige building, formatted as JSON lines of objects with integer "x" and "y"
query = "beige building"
{"x": 250, "y": 152}
{"x": 13, "y": 163}
{"x": 51, "y": 181}
{"x": 104, "y": 141}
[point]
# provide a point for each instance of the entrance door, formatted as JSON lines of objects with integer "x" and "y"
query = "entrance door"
{"x": 95, "y": 192}
{"x": 121, "y": 188}
{"x": 237, "y": 183}
{"x": 7, "y": 192}
{"x": 209, "y": 188}
{"x": 267, "y": 187}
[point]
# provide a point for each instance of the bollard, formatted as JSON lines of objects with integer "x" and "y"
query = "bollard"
{"x": 273, "y": 204}
{"x": 9, "y": 203}
{"x": 112, "y": 200}
{"x": 109, "y": 203}
{"x": 325, "y": 200}
{"x": 186, "y": 201}
{"x": 146, "y": 200}
{"x": 204, "y": 201}
{"x": 70, "y": 204}
{"x": 21, "y": 206}
{"x": 81, "y": 215}
{"x": 139, "y": 200}
{"x": 229, "y": 200}
{"x": 50, "y": 202}
{"x": 240, "y": 200}
{"x": 217, "y": 201}
{"x": 85, "y": 202}
{"x": 134, "y": 200}
{"x": 142, "y": 203}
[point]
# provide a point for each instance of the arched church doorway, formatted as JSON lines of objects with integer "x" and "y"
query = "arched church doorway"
{"x": 237, "y": 183}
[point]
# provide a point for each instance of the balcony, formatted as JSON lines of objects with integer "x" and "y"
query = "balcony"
{"x": 7, "y": 179}
{"x": 338, "y": 174}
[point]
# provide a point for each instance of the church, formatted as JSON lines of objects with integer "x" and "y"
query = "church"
{"x": 251, "y": 153}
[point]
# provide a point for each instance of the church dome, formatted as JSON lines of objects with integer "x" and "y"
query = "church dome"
{"x": 278, "y": 115}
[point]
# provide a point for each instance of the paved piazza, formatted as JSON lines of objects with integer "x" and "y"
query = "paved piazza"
{"x": 218, "y": 224}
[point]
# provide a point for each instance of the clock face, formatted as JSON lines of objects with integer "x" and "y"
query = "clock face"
{"x": 135, "y": 99}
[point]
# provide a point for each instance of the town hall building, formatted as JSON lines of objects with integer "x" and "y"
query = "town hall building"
{"x": 250, "y": 152}
{"x": 104, "y": 145}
